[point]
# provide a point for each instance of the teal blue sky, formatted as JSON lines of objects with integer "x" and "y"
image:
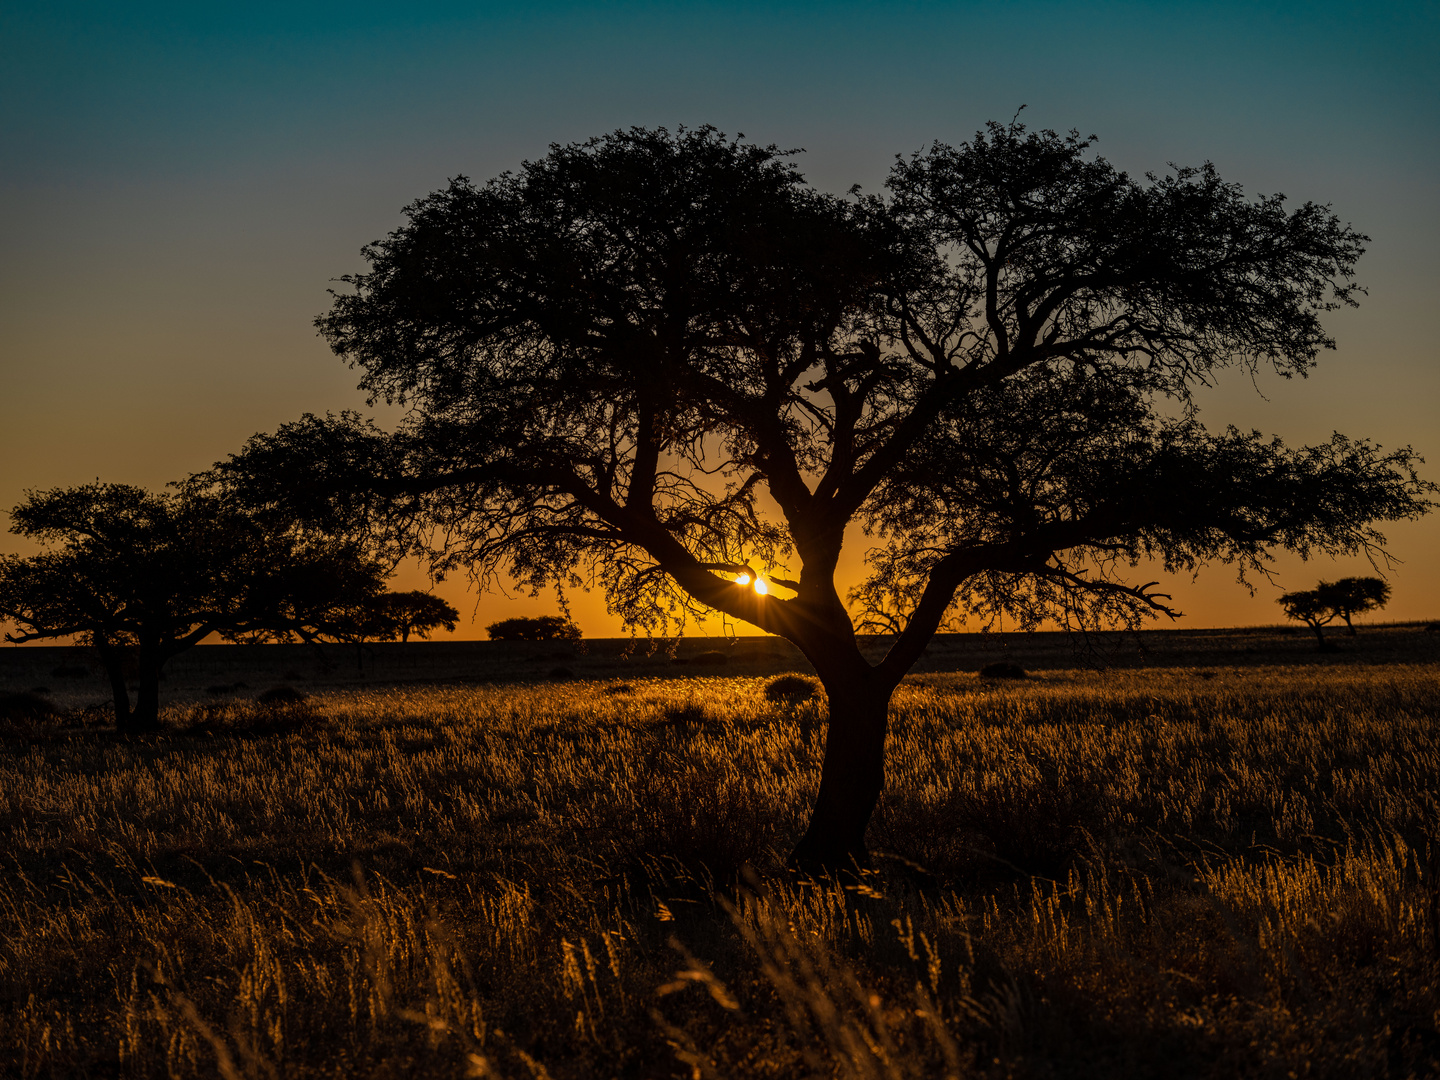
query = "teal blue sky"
{"x": 181, "y": 182}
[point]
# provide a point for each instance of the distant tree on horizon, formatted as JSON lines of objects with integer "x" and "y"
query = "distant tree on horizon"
{"x": 1311, "y": 607}
{"x": 416, "y": 612}
{"x": 534, "y": 628}
{"x": 388, "y": 616}
{"x": 1331, "y": 600}
{"x": 1354, "y": 596}
{"x": 664, "y": 364}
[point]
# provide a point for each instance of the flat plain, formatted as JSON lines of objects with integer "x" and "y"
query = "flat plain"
{"x": 1196, "y": 854}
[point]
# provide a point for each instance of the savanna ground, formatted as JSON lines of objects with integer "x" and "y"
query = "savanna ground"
{"x": 1188, "y": 855}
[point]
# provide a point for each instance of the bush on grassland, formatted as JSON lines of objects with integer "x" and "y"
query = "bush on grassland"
{"x": 791, "y": 689}
{"x": 540, "y": 628}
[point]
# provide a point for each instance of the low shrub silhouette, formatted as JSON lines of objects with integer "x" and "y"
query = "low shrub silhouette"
{"x": 712, "y": 657}
{"x": 282, "y": 695}
{"x": 1003, "y": 669}
{"x": 70, "y": 671}
{"x": 26, "y": 706}
{"x": 791, "y": 689}
{"x": 541, "y": 628}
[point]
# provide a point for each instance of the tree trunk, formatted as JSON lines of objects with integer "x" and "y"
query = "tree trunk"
{"x": 146, "y": 715}
{"x": 112, "y": 658}
{"x": 1319, "y": 634}
{"x": 1349, "y": 626}
{"x": 115, "y": 669}
{"x": 851, "y": 777}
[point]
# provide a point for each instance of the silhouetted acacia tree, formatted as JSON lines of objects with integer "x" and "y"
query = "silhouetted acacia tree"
{"x": 1311, "y": 607}
{"x": 386, "y": 616}
{"x": 142, "y": 576}
{"x": 1353, "y": 596}
{"x": 415, "y": 612}
{"x": 610, "y": 356}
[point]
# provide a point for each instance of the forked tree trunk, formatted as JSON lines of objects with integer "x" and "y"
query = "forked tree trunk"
{"x": 851, "y": 778}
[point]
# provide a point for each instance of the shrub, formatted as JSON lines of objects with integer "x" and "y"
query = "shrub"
{"x": 26, "y": 706}
{"x": 790, "y": 689}
{"x": 70, "y": 671}
{"x": 1002, "y": 669}
{"x": 281, "y": 695}
{"x": 712, "y": 657}
{"x": 541, "y": 628}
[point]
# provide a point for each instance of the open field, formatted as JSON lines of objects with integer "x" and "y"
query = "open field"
{"x": 1216, "y": 857}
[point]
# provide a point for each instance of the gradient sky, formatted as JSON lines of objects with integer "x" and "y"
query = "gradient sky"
{"x": 179, "y": 183}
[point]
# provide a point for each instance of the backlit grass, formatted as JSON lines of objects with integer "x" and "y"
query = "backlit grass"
{"x": 1164, "y": 872}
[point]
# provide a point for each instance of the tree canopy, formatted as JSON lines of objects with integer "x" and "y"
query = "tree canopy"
{"x": 415, "y": 612}
{"x": 1331, "y": 600}
{"x": 1353, "y": 596}
{"x": 142, "y": 576}
{"x": 662, "y": 364}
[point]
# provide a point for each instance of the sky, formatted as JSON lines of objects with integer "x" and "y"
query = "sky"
{"x": 180, "y": 184}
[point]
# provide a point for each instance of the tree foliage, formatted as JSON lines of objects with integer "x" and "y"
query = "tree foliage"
{"x": 660, "y": 363}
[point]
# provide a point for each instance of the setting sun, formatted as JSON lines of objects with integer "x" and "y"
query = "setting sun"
{"x": 761, "y": 587}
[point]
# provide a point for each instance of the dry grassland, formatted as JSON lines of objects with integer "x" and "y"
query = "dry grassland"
{"x": 1168, "y": 872}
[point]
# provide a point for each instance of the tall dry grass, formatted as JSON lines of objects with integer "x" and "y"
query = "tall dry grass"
{"x": 1178, "y": 873}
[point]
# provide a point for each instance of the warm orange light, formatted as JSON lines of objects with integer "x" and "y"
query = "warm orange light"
{"x": 743, "y": 579}
{"x": 761, "y": 587}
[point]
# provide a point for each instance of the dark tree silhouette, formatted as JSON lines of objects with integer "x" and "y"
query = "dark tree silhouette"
{"x": 143, "y": 576}
{"x": 1353, "y": 596}
{"x": 415, "y": 612}
{"x": 386, "y": 616}
{"x": 537, "y": 628}
{"x": 661, "y": 364}
{"x": 1313, "y": 608}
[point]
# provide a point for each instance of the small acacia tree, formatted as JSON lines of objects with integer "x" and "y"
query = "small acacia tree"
{"x": 1329, "y": 600}
{"x": 386, "y": 616}
{"x": 415, "y": 612}
{"x": 663, "y": 365}
{"x": 1353, "y": 596}
{"x": 1311, "y": 607}
{"x": 142, "y": 577}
